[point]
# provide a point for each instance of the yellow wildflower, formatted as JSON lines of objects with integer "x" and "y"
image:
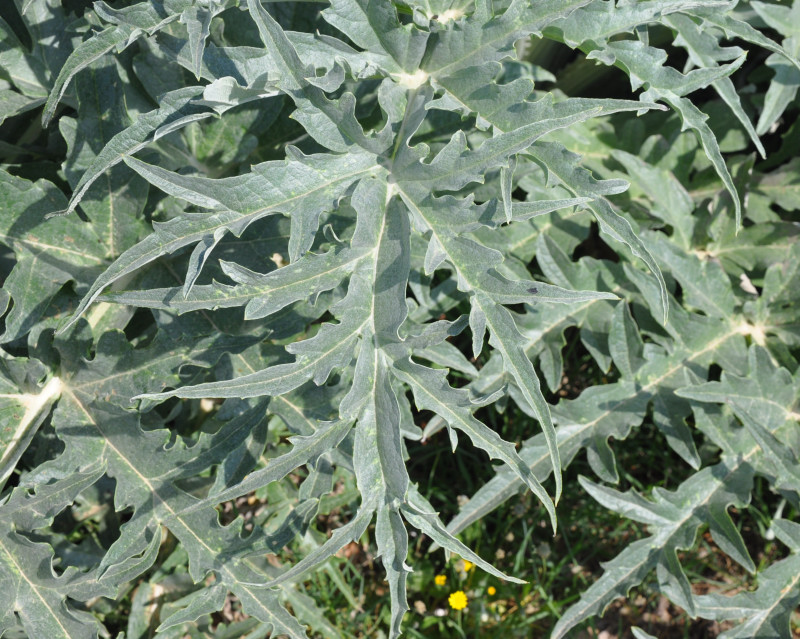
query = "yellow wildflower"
{"x": 468, "y": 565}
{"x": 440, "y": 580}
{"x": 491, "y": 591}
{"x": 458, "y": 600}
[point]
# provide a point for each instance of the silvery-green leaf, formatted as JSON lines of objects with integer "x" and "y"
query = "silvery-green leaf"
{"x": 486, "y": 38}
{"x": 203, "y": 601}
{"x": 705, "y": 285}
{"x": 767, "y": 395}
{"x": 38, "y": 601}
{"x": 668, "y": 198}
{"x": 784, "y": 85}
{"x": 783, "y": 89}
{"x": 673, "y": 518}
{"x": 704, "y": 51}
{"x": 765, "y": 612}
{"x": 175, "y": 110}
{"x": 23, "y": 412}
{"x": 198, "y": 23}
{"x": 595, "y": 24}
{"x": 49, "y": 252}
{"x": 506, "y": 180}
{"x": 504, "y": 336}
{"x": 392, "y": 540}
{"x": 421, "y": 515}
{"x": 305, "y": 182}
{"x": 612, "y": 410}
{"x": 455, "y": 166}
{"x": 374, "y": 26}
{"x": 331, "y": 122}
{"x": 645, "y": 66}
{"x": 13, "y": 103}
{"x": 625, "y": 343}
{"x": 432, "y": 392}
{"x": 351, "y": 531}
{"x": 562, "y": 166}
{"x": 115, "y": 205}
{"x": 733, "y": 27}
{"x": 584, "y": 422}
{"x": 130, "y": 24}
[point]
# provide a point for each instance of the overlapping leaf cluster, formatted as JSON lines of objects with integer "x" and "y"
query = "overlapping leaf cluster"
{"x": 301, "y": 211}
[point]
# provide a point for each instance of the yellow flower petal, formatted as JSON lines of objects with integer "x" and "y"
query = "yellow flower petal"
{"x": 491, "y": 591}
{"x": 458, "y": 600}
{"x": 440, "y": 580}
